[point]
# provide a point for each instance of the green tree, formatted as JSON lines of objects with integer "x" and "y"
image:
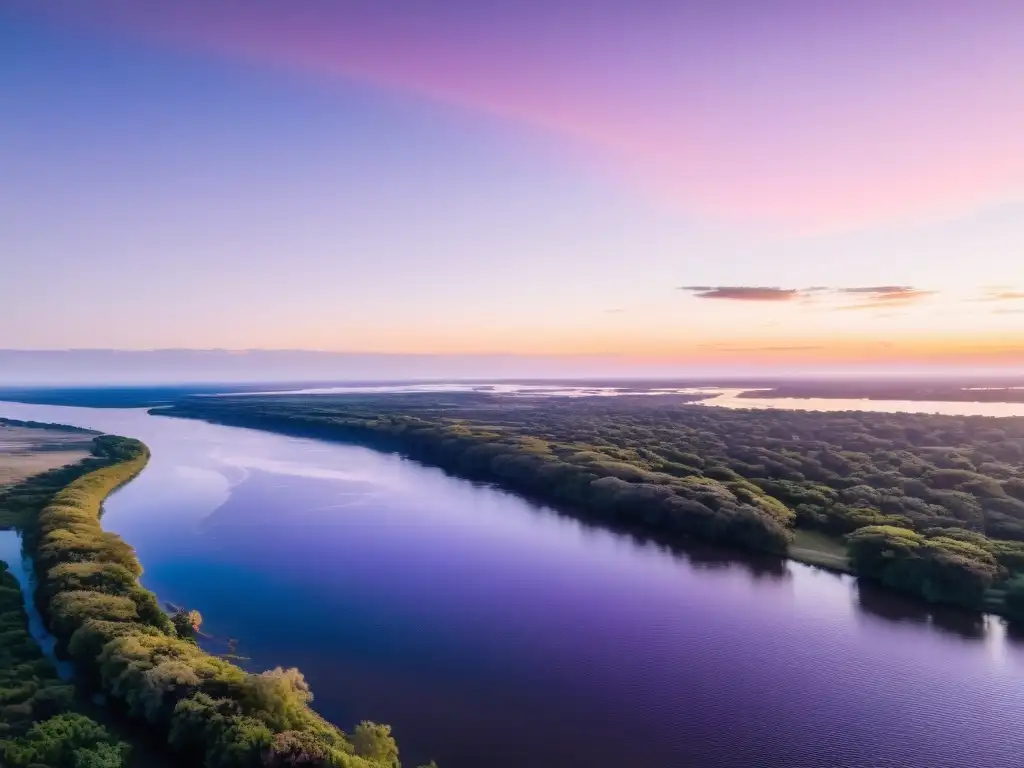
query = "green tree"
{"x": 62, "y": 740}
{"x": 100, "y": 756}
{"x": 1014, "y": 599}
{"x": 374, "y": 742}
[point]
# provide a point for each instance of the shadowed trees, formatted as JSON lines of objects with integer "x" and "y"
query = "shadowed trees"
{"x": 68, "y": 740}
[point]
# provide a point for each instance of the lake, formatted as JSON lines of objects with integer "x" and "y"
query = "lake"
{"x": 490, "y": 631}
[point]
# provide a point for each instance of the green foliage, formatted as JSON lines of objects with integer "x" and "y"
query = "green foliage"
{"x": 65, "y": 741}
{"x": 295, "y": 748}
{"x": 745, "y": 478}
{"x": 1014, "y": 599}
{"x": 940, "y": 569}
{"x": 374, "y": 742}
{"x": 212, "y": 712}
{"x": 103, "y": 755}
{"x": 30, "y": 689}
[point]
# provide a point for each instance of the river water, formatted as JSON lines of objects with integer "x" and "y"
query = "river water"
{"x": 492, "y": 632}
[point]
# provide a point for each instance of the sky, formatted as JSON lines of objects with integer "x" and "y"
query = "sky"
{"x": 782, "y": 185}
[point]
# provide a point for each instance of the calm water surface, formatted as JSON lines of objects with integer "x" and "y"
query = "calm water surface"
{"x": 492, "y": 632}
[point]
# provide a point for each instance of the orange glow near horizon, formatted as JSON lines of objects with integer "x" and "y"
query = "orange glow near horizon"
{"x": 994, "y": 350}
{"x": 484, "y": 181}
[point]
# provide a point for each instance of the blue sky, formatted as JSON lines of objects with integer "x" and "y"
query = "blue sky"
{"x": 159, "y": 195}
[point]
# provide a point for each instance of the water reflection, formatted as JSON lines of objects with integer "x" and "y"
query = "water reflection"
{"x": 469, "y": 618}
{"x": 1015, "y": 634}
{"x": 877, "y": 601}
{"x": 712, "y": 559}
{"x": 698, "y": 554}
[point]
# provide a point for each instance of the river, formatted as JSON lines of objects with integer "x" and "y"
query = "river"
{"x": 492, "y": 632}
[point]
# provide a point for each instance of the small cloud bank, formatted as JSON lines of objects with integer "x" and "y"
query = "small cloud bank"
{"x": 871, "y": 296}
{"x": 878, "y": 290}
{"x": 1002, "y": 294}
{"x": 741, "y": 293}
{"x": 885, "y": 296}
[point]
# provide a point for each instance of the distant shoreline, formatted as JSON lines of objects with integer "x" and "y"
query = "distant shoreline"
{"x": 972, "y": 389}
{"x": 921, "y": 393}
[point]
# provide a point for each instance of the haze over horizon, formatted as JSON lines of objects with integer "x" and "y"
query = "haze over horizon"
{"x": 70, "y": 368}
{"x": 516, "y": 189}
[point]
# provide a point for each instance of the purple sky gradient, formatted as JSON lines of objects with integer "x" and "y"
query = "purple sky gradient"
{"x": 530, "y": 178}
{"x": 813, "y": 112}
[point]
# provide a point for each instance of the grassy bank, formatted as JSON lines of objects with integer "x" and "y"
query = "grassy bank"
{"x": 35, "y": 459}
{"x": 822, "y": 550}
{"x": 205, "y": 710}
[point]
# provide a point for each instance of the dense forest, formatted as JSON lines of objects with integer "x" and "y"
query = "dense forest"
{"x": 40, "y": 721}
{"x": 38, "y": 726}
{"x": 41, "y": 425}
{"x": 144, "y": 663}
{"x": 929, "y": 505}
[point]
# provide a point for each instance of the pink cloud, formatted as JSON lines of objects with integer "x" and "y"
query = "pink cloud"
{"x": 818, "y": 114}
{"x": 1003, "y": 295}
{"x": 741, "y": 293}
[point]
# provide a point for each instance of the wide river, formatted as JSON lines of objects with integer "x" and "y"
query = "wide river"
{"x": 493, "y": 633}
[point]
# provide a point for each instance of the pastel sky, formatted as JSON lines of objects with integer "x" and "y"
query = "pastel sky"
{"x": 789, "y": 184}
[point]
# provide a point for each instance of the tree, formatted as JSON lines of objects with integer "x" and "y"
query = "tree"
{"x": 1014, "y": 599}
{"x": 374, "y": 742}
{"x": 100, "y": 756}
{"x": 187, "y": 623}
{"x": 940, "y": 569}
{"x": 295, "y": 748}
{"x": 62, "y": 742}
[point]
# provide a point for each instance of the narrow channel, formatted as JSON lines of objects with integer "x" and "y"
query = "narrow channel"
{"x": 12, "y": 552}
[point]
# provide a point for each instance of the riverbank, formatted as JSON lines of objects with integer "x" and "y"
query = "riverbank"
{"x": 808, "y": 547}
{"x": 736, "y": 478}
{"x": 208, "y": 710}
{"x": 1007, "y": 390}
{"x": 43, "y": 718}
{"x": 820, "y": 550}
{"x": 125, "y": 649}
{"x": 30, "y": 688}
